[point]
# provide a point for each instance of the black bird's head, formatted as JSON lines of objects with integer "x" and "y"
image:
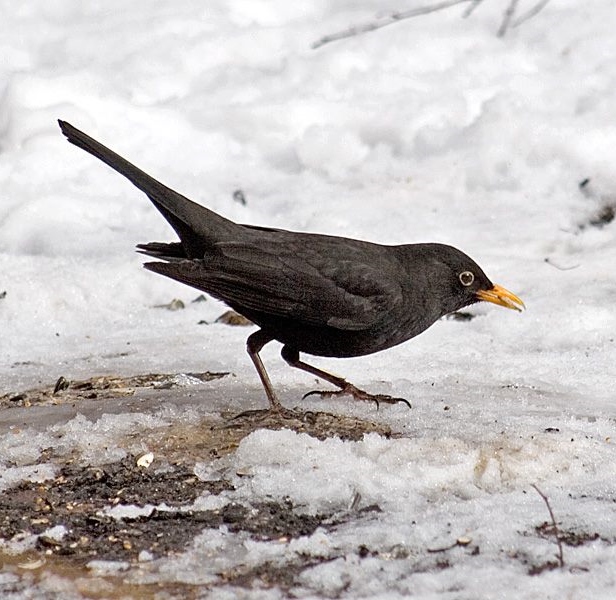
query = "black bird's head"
{"x": 459, "y": 281}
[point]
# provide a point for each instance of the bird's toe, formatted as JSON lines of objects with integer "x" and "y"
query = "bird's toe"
{"x": 386, "y": 399}
{"x": 357, "y": 394}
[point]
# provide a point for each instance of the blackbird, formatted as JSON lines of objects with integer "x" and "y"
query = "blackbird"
{"x": 318, "y": 294}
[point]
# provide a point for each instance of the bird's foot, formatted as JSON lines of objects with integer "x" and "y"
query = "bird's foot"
{"x": 350, "y": 390}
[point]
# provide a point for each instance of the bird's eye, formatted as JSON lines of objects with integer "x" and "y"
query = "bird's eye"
{"x": 466, "y": 278}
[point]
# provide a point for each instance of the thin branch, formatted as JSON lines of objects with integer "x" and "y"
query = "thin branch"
{"x": 549, "y": 261}
{"x": 561, "y": 560}
{"x": 507, "y": 23}
{"x": 385, "y": 21}
{"x": 529, "y": 14}
{"x": 471, "y": 9}
{"x": 507, "y": 17}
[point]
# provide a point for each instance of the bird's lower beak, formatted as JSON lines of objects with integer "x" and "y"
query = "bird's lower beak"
{"x": 499, "y": 295}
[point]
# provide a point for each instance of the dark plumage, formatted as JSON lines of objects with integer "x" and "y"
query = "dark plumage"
{"x": 319, "y": 294}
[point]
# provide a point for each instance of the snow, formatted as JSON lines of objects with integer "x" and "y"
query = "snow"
{"x": 429, "y": 130}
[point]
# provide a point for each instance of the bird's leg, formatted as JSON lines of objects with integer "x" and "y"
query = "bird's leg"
{"x": 254, "y": 343}
{"x": 291, "y": 356}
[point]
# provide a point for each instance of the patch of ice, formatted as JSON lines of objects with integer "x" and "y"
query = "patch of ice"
{"x": 105, "y": 568}
{"x": 207, "y": 501}
{"x": 97, "y": 442}
{"x": 58, "y": 532}
{"x": 407, "y": 474}
{"x": 10, "y": 476}
{"x": 128, "y": 511}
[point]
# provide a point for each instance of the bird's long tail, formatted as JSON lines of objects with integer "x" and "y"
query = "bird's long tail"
{"x": 197, "y": 226}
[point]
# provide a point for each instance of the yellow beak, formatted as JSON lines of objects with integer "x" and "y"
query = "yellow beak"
{"x": 499, "y": 295}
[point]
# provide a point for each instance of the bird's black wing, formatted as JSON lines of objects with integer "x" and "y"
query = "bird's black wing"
{"x": 315, "y": 280}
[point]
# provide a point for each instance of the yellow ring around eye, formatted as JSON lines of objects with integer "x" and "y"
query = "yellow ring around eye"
{"x": 466, "y": 278}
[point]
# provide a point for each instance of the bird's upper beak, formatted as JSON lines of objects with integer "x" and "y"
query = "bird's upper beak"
{"x": 499, "y": 295}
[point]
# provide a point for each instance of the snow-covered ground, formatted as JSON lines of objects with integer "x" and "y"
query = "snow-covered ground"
{"x": 432, "y": 129}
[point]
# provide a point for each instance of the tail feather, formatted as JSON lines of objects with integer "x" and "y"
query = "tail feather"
{"x": 172, "y": 252}
{"x": 197, "y": 226}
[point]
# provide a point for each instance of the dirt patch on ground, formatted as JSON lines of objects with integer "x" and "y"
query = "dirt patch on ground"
{"x": 214, "y": 438}
{"x": 103, "y": 387}
{"x": 79, "y": 497}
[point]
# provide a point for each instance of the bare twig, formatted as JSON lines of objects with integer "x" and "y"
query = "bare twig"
{"x": 549, "y": 261}
{"x": 507, "y": 17}
{"x": 355, "y": 501}
{"x": 561, "y": 560}
{"x": 507, "y": 23}
{"x": 469, "y": 11}
{"x": 385, "y": 21}
{"x": 529, "y": 14}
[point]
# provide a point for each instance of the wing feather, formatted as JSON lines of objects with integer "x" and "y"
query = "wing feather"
{"x": 302, "y": 278}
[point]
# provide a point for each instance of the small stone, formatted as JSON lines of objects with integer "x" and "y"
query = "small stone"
{"x": 232, "y": 318}
{"x": 239, "y": 197}
{"x": 145, "y": 460}
{"x": 175, "y": 304}
{"x": 145, "y": 556}
{"x": 61, "y": 384}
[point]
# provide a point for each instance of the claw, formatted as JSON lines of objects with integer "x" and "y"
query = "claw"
{"x": 322, "y": 393}
{"x": 351, "y": 390}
